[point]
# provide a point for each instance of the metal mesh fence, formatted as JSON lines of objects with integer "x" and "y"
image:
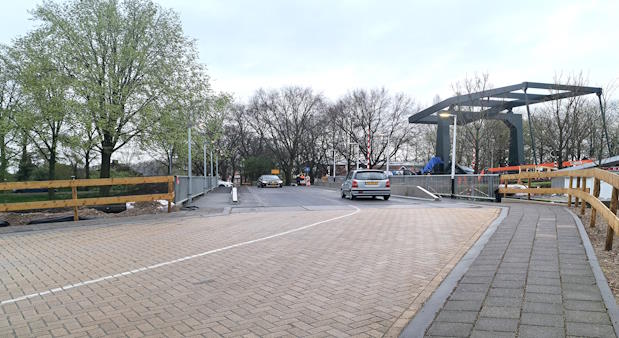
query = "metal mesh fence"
{"x": 466, "y": 186}
{"x": 184, "y": 188}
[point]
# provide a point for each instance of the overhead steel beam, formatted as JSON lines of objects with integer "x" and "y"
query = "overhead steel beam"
{"x": 553, "y": 86}
{"x": 461, "y": 100}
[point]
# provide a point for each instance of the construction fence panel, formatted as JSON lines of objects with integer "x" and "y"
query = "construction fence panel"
{"x": 186, "y": 187}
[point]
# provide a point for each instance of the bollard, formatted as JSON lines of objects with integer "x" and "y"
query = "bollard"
{"x": 235, "y": 196}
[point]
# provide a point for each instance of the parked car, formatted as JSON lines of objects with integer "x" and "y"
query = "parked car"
{"x": 269, "y": 181}
{"x": 366, "y": 182}
{"x": 226, "y": 184}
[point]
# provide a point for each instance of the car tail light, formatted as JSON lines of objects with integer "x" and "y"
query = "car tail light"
{"x": 388, "y": 184}
{"x": 355, "y": 184}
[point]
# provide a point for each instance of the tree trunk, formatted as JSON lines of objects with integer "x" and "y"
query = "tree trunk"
{"x": 51, "y": 173}
{"x": 87, "y": 165}
{"x": 4, "y": 163}
{"x": 106, "y": 161}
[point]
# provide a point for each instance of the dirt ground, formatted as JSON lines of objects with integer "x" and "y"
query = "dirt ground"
{"x": 139, "y": 208}
{"x": 609, "y": 260}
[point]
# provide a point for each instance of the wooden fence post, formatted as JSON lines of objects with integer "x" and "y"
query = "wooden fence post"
{"x": 610, "y": 232}
{"x": 576, "y": 199}
{"x": 170, "y": 191}
{"x": 596, "y": 194}
{"x": 583, "y": 203}
{"x": 529, "y": 184}
{"x": 76, "y": 217}
{"x": 569, "y": 196}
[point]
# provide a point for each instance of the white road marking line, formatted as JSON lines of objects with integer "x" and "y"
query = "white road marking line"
{"x": 150, "y": 267}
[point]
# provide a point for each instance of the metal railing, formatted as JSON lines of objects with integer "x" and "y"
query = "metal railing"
{"x": 183, "y": 190}
{"x": 483, "y": 187}
{"x": 466, "y": 186}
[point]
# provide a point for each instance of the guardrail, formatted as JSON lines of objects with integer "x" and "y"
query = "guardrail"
{"x": 580, "y": 193}
{"x": 76, "y": 202}
{"x": 186, "y": 188}
{"x": 482, "y": 187}
{"x": 465, "y": 186}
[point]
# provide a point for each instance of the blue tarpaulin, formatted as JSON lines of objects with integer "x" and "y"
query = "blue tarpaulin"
{"x": 430, "y": 165}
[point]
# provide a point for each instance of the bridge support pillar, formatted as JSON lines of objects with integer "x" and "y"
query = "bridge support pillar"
{"x": 442, "y": 143}
{"x": 516, "y": 142}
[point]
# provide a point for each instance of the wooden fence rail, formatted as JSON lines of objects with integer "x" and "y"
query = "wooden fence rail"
{"x": 581, "y": 193}
{"x": 76, "y": 202}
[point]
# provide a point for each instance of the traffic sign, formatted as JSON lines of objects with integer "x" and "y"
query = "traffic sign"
{"x": 307, "y": 169}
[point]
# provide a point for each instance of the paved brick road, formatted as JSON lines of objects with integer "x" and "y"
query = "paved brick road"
{"x": 360, "y": 275}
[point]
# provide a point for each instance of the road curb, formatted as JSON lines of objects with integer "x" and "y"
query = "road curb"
{"x": 423, "y": 319}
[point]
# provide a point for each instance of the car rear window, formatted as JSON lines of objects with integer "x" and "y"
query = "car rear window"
{"x": 370, "y": 175}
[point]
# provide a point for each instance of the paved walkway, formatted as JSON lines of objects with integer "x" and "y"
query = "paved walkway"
{"x": 531, "y": 279}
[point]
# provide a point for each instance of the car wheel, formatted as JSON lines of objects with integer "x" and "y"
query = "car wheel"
{"x": 280, "y": 186}
{"x": 343, "y": 194}
{"x": 352, "y": 197}
{"x": 386, "y": 197}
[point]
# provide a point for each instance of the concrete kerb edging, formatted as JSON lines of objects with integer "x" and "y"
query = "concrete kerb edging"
{"x": 418, "y": 326}
{"x": 600, "y": 279}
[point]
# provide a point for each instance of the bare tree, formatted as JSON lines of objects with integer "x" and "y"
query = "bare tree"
{"x": 376, "y": 117}
{"x": 282, "y": 118}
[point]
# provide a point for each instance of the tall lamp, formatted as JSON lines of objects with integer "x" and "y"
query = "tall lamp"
{"x": 446, "y": 114}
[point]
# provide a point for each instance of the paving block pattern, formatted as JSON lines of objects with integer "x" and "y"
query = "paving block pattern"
{"x": 354, "y": 276}
{"x": 532, "y": 279}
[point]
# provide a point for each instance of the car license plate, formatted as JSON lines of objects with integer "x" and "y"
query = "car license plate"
{"x": 371, "y": 183}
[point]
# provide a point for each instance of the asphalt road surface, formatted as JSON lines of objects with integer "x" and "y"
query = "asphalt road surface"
{"x": 304, "y": 198}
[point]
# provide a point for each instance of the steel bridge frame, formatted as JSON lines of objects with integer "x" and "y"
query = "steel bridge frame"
{"x": 498, "y": 104}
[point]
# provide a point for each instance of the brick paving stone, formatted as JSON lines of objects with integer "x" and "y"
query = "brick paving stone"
{"x": 528, "y": 331}
{"x": 352, "y": 276}
{"x": 543, "y": 286}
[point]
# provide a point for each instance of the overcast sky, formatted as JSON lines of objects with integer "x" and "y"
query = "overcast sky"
{"x": 416, "y": 47}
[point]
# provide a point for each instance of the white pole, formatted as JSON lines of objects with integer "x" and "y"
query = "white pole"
{"x": 211, "y": 184}
{"x": 388, "y": 151}
{"x": 204, "y": 185}
{"x": 357, "y": 156}
{"x": 211, "y": 163}
{"x": 189, "y": 162}
{"x": 334, "y": 163}
{"x": 453, "y": 150}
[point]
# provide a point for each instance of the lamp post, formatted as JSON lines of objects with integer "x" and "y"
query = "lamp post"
{"x": 189, "y": 125}
{"x": 388, "y": 149}
{"x": 357, "y": 155}
{"x": 446, "y": 114}
{"x": 333, "y": 162}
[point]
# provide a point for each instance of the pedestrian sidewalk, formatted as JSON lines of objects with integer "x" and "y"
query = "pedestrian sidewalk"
{"x": 532, "y": 278}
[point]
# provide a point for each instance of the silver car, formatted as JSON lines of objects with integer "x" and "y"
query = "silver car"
{"x": 366, "y": 182}
{"x": 269, "y": 181}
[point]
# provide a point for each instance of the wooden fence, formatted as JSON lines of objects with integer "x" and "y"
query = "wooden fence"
{"x": 76, "y": 202}
{"x": 577, "y": 191}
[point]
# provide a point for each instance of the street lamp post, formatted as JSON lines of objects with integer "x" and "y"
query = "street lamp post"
{"x": 357, "y": 155}
{"x": 453, "y": 152}
{"x": 189, "y": 199}
{"x": 334, "y": 162}
{"x": 388, "y": 149}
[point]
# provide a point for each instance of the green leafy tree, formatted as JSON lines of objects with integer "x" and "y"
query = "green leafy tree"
{"x": 10, "y": 100}
{"x": 124, "y": 55}
{"x": 46, "y": 105}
